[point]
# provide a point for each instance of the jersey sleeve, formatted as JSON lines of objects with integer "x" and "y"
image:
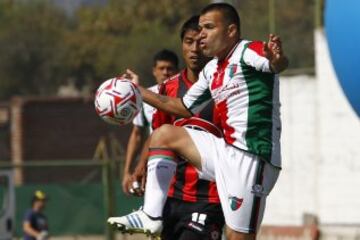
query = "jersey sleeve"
{"x": 139, "y": 119}
{"x": 28, "y": 216}
{"x": 253, "y": 55}
{"x": 198, "y": 96}
{"x": 144, "y": 117}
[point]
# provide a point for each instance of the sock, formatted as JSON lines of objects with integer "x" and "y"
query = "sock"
{"x": 161, "y": 168}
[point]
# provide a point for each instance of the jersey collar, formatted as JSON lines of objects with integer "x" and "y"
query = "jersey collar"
{"x": 230, "y": 53}
{"x": 183, "y": 75}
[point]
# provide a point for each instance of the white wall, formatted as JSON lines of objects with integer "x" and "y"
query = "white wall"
{"x": 320, "y": 147}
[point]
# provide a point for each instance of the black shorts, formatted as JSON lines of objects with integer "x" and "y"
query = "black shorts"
{"x": 192, "y": 221}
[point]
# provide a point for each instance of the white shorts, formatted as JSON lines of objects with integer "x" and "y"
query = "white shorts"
{"x": 242, "y": 179}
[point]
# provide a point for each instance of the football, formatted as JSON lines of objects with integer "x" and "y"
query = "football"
{"x": 117, "y": 101}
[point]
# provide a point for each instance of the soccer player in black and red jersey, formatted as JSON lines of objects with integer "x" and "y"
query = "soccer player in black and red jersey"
{"x": 192, "y": 210}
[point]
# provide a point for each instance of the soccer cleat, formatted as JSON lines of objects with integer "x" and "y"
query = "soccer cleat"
{"x": 137, "y": 222}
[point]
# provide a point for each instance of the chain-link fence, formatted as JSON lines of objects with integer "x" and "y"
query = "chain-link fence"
{"x": 75, "y": 207}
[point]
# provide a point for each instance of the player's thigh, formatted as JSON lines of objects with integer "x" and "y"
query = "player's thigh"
{"x": 177, "y": 139}
{"x": 210, "y": 149}
{"x": 243, "y": 182}
{"x": 233, "y": 235}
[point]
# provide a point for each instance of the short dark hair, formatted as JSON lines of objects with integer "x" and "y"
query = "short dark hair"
{"x": 228, "y": 11}
{"x": 166, "y": 55}
{"x": 191, "y": 24}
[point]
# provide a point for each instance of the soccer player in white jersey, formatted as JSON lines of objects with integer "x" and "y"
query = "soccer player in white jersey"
{"x": 242, "y": 80}
{"x": 165, "y": 65}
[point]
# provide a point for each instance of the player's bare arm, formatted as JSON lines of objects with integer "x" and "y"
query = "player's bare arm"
{"x": 30, "y": 230}
{"x": 170, "y": 105}
{"x": 135, "y": 142}
{"x": 274, "y": 52}
{"x": 139, "y": 174}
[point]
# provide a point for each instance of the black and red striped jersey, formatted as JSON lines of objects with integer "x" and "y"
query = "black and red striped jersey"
{"x": 186, "y": 184}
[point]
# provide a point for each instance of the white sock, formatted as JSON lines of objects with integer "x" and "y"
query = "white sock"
{"x": 161, "y": 168}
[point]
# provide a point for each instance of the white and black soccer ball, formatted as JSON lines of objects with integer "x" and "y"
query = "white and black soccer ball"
{"x": 117, "y": 101}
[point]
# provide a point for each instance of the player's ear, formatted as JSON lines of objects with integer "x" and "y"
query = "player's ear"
{"x": 232, "y": 30}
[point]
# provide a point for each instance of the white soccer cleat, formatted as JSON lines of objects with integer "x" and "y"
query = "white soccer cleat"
{"x": 136, "y": 222}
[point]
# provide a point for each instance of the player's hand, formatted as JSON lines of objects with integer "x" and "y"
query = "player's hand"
{"x": 44, "y": 235}
{"x": 139, "y": 178}
{"x": 274, "y": 52}
{"x": 126, "y": 183}
{"x": 140, "y": 173}
{"x": 272, "y": 49}
{"x": 135, "y": 189}
{"x": 131, "y": 76}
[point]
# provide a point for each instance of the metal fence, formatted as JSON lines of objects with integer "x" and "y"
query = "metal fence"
{"x": 79, "y": 206}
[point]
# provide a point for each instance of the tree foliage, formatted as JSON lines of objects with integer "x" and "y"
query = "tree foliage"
{"x": 41, "y": 47}
{"x": 126, "y": 34}
{"x": 30, "y": 48}
{"x": 294, "y": 22}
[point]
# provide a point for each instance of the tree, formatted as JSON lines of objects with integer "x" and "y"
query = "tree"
{"x": 294, "y": 21}
{"x": 42, "y": 47}
{"x": 125, "y": 34}
{"x": 31, "y": 49}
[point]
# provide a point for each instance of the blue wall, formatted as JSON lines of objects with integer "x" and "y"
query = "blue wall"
{"x": 342, "y": 26}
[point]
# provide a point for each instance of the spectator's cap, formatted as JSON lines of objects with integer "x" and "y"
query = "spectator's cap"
{"x": 39, "y": 195}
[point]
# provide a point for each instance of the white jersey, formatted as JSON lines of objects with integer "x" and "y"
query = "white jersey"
{"x": 246, "y": 94}
{"x": 145, "y": 116}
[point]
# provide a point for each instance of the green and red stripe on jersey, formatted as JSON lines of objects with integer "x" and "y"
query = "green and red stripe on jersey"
{"x": 218, "y": 80}
{"x": 260, "y": 88}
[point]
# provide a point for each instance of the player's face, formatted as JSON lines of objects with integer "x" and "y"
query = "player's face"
{"x": 214, "y": 35}
{"x": 192, "y": 54}
{"x": 39, "y": 205}
{"x": 163, "y": 70}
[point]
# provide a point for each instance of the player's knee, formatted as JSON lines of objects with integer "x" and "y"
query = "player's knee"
{"x": 234, "y": 235}
{"x": 161, "y": 137}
